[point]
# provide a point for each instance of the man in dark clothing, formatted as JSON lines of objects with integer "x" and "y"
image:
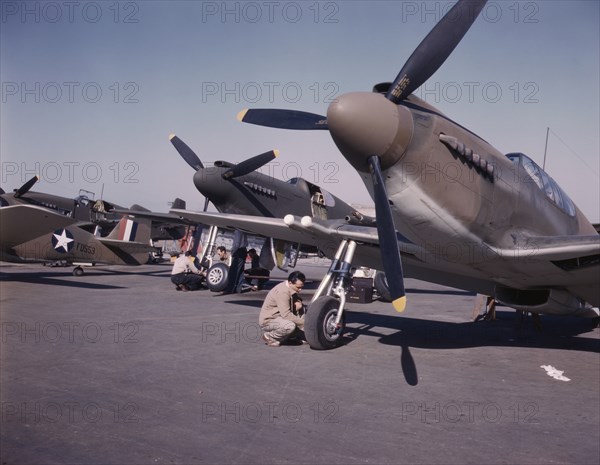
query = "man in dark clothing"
{"x": 252, "y": 274}
{"x": 238, "y": 260}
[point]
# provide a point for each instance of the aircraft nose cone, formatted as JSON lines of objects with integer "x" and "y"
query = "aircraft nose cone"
{"x": 363, "y": 124}
{"x": 210, "y": 183}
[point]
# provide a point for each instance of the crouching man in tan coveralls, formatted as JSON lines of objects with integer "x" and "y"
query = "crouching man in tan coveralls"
{"x": 282, "y": 312}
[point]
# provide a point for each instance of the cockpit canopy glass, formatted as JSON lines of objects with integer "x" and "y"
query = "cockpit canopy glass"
{"x": 544, "y": 182}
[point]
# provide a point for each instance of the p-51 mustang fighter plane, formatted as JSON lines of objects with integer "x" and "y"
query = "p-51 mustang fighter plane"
{"x": 239, "y": 188}
{"x": 460, "y": 212}
{"x": 40, "y": 227}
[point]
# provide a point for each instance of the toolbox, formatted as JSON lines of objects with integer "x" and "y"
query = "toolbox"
{"x": 361, "y": 291}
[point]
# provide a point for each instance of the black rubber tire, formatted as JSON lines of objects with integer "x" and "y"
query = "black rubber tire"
{"x": 78, "y": 271}
{"x": 381, "y": 286}
{"x": 217, "y": 277}
{"x": 320, "y": 315}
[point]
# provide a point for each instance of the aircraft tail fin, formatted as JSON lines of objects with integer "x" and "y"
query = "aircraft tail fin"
{"x": 178, "y": 204}
{"x": 132, "y": 230}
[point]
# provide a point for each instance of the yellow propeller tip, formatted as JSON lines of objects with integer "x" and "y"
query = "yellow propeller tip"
{"x": 276, "y": 152}
{"x": 171, "y": 136}
{"x": 241, "y": 114}
{"x": 400, "y": 304}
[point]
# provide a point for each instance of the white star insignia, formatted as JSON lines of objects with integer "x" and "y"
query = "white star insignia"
{"x": 62, "y": 240}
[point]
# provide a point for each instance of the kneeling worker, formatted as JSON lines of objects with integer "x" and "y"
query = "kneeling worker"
{"x": 185, "y": 275}
{"x": 279, "y": 316}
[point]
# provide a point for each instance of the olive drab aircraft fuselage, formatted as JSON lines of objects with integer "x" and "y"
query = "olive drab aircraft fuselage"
{"x": 42, "y": 227}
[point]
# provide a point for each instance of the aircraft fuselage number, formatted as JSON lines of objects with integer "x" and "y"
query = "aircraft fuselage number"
{"x": 84, "y": 248}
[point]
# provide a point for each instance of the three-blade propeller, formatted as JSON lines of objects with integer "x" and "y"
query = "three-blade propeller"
{"x": 421, "y": 65}
{"x": 241, "y": 169}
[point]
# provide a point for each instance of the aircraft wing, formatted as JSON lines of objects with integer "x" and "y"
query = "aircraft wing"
{"x": 325, "y": 234}
{"x": 571, "y": 262}
{"x": 168, "y": 218}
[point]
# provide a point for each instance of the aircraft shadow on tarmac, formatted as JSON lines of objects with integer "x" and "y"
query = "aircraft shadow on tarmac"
{"x": 53, "y": 279}
{"x": 507, "y": 331}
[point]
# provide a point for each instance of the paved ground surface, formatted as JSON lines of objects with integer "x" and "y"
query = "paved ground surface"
{"x": 118, "y": 368}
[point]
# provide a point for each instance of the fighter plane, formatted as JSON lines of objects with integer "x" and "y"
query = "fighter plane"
{"x": 240, "y": 188}
{"x": 450, "y": 208}
{"x": 41, "y": 227}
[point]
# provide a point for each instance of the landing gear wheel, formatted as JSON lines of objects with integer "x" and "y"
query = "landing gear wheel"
{"x": 77, "y": 271}
{"x": 381, "y": 285}
{"x": 216, "y": 277}
{"x": 319, "y": 324}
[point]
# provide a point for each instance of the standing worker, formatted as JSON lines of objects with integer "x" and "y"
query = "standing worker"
{"x": 238, "y": 260}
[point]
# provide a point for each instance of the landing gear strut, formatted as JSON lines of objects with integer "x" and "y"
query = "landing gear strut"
{"x": 325, "y": 323}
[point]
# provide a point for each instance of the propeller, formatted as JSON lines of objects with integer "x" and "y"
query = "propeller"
{"x": 251, "y": 164}
{"x": 283, "y": 119}
{"x": 435, "y": 48}
{"x": 366, "y": 127}
{"x": 186, "y": 153}
{"x": 25, "y": 187}
{"x": 390, "y": 253}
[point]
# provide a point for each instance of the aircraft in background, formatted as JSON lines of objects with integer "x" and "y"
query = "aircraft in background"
{"x": 450, "y": 208}
{"x": 40, "y": 227}
{"x": 239, "y": 188}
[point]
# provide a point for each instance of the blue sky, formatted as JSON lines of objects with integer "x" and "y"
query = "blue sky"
{"x": 91, "y": 90}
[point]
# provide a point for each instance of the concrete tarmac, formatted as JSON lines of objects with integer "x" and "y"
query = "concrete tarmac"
{"x": 116, "y": 367}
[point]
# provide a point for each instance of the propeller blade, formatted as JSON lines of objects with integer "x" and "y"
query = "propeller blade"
{"x": 25, "y": 187}
{"x": 251, "y": 164}
{"x": 283, "y": 119}
{"x": 205, "y": 204}
{"x": 390, "y": 253}
{"x": 435, "y": 48}
{"x": 186, "y": 153}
